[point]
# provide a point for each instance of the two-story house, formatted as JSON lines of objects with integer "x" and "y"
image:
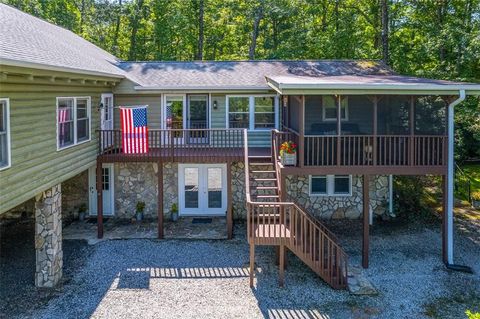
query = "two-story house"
{"x": 215, "y": 136}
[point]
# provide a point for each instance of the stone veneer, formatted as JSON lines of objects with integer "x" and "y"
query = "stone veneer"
{"x": 238, "y": 191}
{"x": 74, "y": 194}
{"x": 327, "y": 207}
{"x": 48, "y": 237}
{"x": 138, "y": 181}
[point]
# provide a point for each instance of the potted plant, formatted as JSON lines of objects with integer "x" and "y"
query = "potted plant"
{"x": 174, "y": 212}
{"x": 288, "y": 153}
{"x": 140, "y": 208}
{"x": 82, "y": 209}
{"x": 476, "y": 199}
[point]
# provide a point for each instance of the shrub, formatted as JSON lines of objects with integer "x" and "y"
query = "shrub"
{"x": 472, "y": 315}
{"x": 411, "y": 197}
{"x": 476, "y": 196}
{"x": 140, "y": 207}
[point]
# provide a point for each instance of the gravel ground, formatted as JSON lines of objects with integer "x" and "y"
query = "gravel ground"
{"x": 209, "y": 279}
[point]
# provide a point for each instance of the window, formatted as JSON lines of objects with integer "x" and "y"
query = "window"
{"x": 264, "y": 112}
{"x": 331, "y": 185}
{"x": 239, "y": 112}
{"x": 4, "y": 133}
{"x": 330, "y": 108}
{"x": 252, "y": 112}
{"x": 73, "y": 121}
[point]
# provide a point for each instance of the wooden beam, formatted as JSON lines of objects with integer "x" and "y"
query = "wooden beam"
{"x": 375, "y": 128}
{"x": 339, "y": 126}
{"x": 281, "y": 273}
{"x": 99, "y": 200}
{"x": 412, "y": 130}
{"x": 366, "y": 221}
{"x": 301, "y": 137}
{"x": 229, "y": 201}
{"x": 160, "y": 199}
{"x": 252, "y": 263}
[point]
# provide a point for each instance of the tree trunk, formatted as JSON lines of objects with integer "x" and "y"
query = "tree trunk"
{"x": 385, "y": 51}
{"x": 199, "y": 54}
{"x": 256, "y": 25}
{"x": 133, "y": 36}
{"x": 117, "y": 29}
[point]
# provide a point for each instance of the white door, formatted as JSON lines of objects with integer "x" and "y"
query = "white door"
{"x": 202, "y": 189}
{"x": 108, "y": 191}
{"x": 106, "y": 119}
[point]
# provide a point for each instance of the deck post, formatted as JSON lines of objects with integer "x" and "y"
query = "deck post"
{"x": 301, "y": 135}
{"x": 366, "y": 219}
{"x": 282, "y": 266}
{"x": 229, "y": 201}
{"x": 252, "y": 263}
{"x": 99, "y": 199}
{"x": 160, "y": 199}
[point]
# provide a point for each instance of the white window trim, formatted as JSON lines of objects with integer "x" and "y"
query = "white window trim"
{"x": 9, "y": 145}
{"x": 89, "y": 113}
{"x": 325, "y": 119}
{"x": 330, "y": 186}
{"x": 251, "y": 110}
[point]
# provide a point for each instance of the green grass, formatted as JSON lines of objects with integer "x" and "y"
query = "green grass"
{"x": 473, "y": 173}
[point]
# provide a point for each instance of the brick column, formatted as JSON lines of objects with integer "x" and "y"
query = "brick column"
{"x": 48, "y": 237}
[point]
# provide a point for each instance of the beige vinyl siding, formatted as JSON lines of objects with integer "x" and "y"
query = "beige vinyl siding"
{"x": 36, "y": 164}
{"x": 154, "y": 103}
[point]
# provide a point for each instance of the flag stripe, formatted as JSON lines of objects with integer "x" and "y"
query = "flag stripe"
{"x": 134, "y": 130}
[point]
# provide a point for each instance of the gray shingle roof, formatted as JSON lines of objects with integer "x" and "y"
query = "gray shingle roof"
{"x": 232, "y": 74}
{"x": 25, "y": 38}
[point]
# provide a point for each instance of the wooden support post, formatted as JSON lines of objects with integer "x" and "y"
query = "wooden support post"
{"x": 339, "y": 128}
{"x": 282, "y": 266}
{"x": 444, "y": 219}
{"x": 229, "y": 202}
{"x": 99, "y": 175}
{"x": 412, "y": 131}
{"x": 375, "y": 130}
{"x": 252, "y": 263}
{"x": 366, "y": 220}
{"x": 160, "y": 199}
{"x": 301, "y": 135}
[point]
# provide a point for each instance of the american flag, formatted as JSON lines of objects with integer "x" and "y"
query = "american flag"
{"x": 134, "y": 129}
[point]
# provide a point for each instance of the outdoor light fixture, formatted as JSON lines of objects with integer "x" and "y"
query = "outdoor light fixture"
{"x": 215, "y": 105}
{"x": 100, "y": 106}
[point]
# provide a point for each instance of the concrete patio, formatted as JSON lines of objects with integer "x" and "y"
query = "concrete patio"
{"x": 183, "y": 228}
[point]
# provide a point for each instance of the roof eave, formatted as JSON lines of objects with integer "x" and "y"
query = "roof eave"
{"x": 48, "y": 67}
{"x": 203, "y": 88}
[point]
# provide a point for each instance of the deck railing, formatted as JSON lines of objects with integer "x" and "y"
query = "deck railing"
{"x": 177, "y": 142}
{"x": 369, "y": 150}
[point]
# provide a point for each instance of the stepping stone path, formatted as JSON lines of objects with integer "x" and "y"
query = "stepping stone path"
{"x": 358, "y": 284}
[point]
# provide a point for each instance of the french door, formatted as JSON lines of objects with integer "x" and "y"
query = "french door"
{"x": 106, "y": 119}
{"x": 186, "y": 112}
{"x": 202, "y": 189}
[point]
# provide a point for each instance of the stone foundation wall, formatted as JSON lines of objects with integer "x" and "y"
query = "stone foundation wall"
{"x": 238, "y": 191}
{"x": 74, "y": 194}
{"x": 135, "y": 182}
{"x": 327, "y": 207}
{"x": 48, "y": 237}
{"x": 138, "y": 182}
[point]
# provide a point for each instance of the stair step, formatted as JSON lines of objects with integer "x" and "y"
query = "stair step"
{"x": 261, "y": 164}
{"x": 267, "y": 196}
{"x": 265, "y": 187}
{"x": 255, "y": 172}
{"x": 264, "y": 179}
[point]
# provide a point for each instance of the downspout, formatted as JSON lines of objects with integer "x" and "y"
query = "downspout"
{"x": 450, "y": 176}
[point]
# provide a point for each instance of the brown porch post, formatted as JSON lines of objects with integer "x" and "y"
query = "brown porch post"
{"x": 366, "y": 224}
{"x": 160, "y": 199}
{"x": 412, "y": 130}
{"x": 252, "y": 263}
{"x": 282, "y": 266}
{"x": 444, "y": 219}
{"x": 99, "y": 200}
{"x": 229, "y": 201}
{"x": 301, "y": 131}
{"x": 339, "y": 127}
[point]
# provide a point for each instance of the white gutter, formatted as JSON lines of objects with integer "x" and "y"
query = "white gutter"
{"x": 48, "y": 67}
{"x": 451, "y": 139}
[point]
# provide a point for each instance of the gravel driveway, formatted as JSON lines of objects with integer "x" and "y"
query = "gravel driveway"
{"x": 209, "y": 279}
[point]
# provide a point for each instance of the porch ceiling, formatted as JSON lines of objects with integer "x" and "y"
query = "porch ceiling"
{"x": 368, "y": 84}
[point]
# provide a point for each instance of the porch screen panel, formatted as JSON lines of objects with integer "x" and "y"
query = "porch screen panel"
{"x": 430, "y": 115}
{"x": 393, "y": 115}
{"x": 294, "y": 112}
{"x": 360, "y": 116}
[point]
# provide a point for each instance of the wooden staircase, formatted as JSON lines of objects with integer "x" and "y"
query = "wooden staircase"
{"x": 285, "y": 224}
